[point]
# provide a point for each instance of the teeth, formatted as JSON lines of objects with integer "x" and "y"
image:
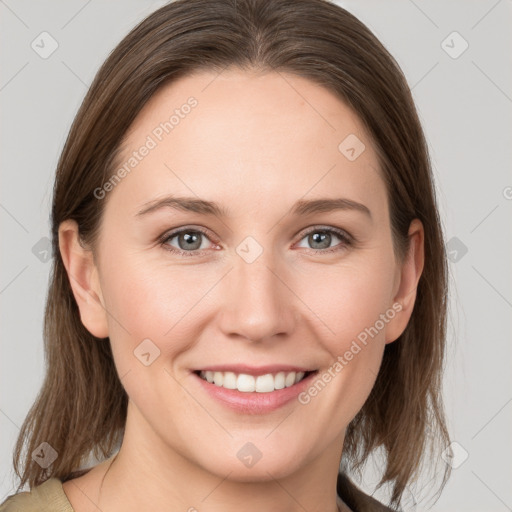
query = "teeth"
{"x": 279, "y": 380}
{"x": 248, "y": 383}
{"x": 218, "y": 378}
{"x": 265, "y": 383}
{"x": 229, "y": 380}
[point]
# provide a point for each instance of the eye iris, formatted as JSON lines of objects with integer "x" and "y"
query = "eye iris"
{"x": 321, "y": 237}
{"x": 190, "y": 240}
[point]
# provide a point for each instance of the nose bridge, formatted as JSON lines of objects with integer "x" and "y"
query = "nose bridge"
{"x": 258, "y": 303}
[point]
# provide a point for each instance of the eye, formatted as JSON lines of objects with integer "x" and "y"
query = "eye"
{"x": 188, "y": 240}
{"x": 320, "y": 239}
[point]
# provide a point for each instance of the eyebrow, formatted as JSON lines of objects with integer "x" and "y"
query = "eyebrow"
{"x": 204, "y": 207}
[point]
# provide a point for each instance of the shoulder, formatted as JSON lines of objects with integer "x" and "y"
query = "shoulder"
{"x": 356, "y": 499}
{"x": 46, "y": 497}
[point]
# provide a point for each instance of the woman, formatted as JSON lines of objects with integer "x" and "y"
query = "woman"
{"x": 249, "y": 277}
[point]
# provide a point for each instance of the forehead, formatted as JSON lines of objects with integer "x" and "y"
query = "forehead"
{"x": 246, "y": 135}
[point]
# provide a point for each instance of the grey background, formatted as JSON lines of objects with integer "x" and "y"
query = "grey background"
{"x": 465, "y": 104}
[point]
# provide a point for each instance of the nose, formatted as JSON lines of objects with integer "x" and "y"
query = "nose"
{"x": 258, "y": 303}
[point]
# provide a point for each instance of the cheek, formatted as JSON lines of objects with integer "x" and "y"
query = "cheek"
{"x": 148, "y": 298}
{"x": 354, "y": 311}
{"x": 350, "y": 301}
{"x": 149, "y": 327}
{"x": 141, "y": 300}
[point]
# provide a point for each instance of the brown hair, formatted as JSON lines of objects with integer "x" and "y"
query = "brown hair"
{"x": 81, "y": 408}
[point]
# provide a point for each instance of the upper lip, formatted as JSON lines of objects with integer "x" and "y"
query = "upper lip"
{"x": 254, "y": 370}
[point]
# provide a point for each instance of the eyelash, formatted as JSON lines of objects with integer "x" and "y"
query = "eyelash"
{"x": 347, "y": 240}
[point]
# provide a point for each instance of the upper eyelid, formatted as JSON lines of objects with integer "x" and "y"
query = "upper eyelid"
{"x": 173, "y": 233}
{"x": 320, "y": 227}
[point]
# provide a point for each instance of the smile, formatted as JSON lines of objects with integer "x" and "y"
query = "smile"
{"x": 253, "y": 390}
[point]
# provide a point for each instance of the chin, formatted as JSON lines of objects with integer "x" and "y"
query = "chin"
{"x": 263, "y": 469}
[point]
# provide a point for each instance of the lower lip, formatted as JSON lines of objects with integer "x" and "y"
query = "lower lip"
{"x": 254, "y": 403}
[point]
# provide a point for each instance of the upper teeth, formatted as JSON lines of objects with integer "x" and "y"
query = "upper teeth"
{"x": 249, "y": 383}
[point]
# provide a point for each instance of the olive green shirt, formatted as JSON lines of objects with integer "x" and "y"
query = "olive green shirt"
{"x": 50, "y": 497}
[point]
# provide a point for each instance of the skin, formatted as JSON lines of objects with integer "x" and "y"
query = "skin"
{"x": 256, "y": 143}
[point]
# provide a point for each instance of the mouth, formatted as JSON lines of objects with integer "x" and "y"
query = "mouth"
{"x": 251, "y": 390}
{"x": 247, "y": 383}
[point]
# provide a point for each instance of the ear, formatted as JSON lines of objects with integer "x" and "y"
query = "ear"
{"x": 406, "y": 282}
{"x": 84, "y": 279}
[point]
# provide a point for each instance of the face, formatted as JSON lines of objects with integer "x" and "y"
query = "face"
{"x": 263, "y": 284}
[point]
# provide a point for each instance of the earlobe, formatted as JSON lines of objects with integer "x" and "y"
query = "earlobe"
{"x": 84, "y": 279}
{"x": 408, "y": 277}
